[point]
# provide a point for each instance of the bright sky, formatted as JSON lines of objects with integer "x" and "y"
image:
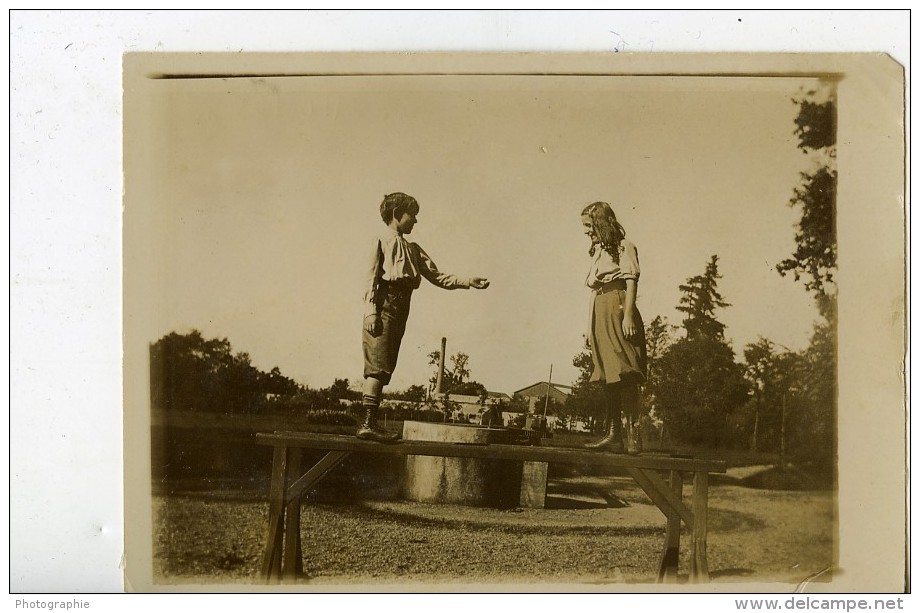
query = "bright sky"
{"x": 268, "y": 192}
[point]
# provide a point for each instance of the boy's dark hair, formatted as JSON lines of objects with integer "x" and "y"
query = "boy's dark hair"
{"x": 395, "y": 204}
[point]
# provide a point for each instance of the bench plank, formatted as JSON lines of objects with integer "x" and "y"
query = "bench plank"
{"x": 520, "y": 453}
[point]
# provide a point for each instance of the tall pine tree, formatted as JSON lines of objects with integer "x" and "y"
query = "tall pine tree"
{"x": 700, "y": 300}
{"x": 698, "y": 384}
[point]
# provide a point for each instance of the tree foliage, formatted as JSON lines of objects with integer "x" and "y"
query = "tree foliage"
{"x": 774, "y": 377}
{"x": 815, "y": 255}
{"x": 700, "y": 386}
{"x": 456, "y": 377}
{"x": 659, "y": 336}
{"x": 695, "y": 382}
{"x": 413, "y": 393}
{"x": 816, "y": 123}
{"x": 815, "y": 262}
{"x": 700, "y": 300}
{"x": 341, "y": 390}
{"x": 460, "y": 371}
{"x": 191, "y": 373}
{"x": 188, "y": 372}
{"x": 814, "y": 417}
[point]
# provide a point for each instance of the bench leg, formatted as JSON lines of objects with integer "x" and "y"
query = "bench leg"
{"x": 699, "y": 566}
{"x": 271, "y": 557}
{"x": 292, "y": 563}
{"x": 283, "y": 555}
{"x": 533, "y": 485}
{"x": 670, "y": 556}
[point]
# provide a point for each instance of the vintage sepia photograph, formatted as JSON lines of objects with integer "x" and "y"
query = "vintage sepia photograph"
{"x": 513, "y": 322}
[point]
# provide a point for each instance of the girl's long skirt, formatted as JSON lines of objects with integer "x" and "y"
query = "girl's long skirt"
{"x": 380, "y": 352}
{"x": 616, "y": 358}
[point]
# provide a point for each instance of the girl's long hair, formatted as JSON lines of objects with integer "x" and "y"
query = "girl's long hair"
{"x": 609, "y": 231}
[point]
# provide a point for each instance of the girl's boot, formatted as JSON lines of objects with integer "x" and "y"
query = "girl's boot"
{"x": 613, "y": 442}
{"x": 633, "y": 436}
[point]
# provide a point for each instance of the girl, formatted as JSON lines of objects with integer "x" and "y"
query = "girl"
{"x": 615, "y": 331}
{"x": 396, "y": 269}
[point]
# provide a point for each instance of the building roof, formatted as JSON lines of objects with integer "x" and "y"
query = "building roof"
{"x": 542, "y": 388}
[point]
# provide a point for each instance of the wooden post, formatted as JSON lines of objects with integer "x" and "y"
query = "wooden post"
{"x": 699, "y": 567}
{"x": 271, "y": 558}
{"x": 533, "y": 485}
{"x": 782, "y": 436}
{"x": 670, "y": 556}
{"x": 292, "y": 562}
{"x": 440, "y": 379}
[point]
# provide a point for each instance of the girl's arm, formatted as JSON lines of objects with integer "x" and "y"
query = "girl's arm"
{"x": 590, "y": 328}
{"x": 629, "y": 308}
{"x": 629, "y": 263}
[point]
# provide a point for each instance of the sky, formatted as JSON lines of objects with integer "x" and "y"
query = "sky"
{"x": 267, "y": 194}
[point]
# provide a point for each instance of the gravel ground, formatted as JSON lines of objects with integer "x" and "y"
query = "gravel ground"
{"x": 594, "y": 531}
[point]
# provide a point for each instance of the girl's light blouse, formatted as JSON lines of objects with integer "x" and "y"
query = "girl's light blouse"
{"x": 396, "y": 259}
{"x": 604, "y": 270}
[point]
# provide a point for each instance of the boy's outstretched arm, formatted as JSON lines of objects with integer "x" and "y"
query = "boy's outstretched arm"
{"x": 430, "y": 271}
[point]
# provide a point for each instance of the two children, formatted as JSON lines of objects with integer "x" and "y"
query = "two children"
{"x": 615, "y": 332}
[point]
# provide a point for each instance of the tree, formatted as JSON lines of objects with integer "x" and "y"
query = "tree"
{"x": 815, "y": 262}
{"x": 700, "y": 300}
{"x": 413, "y": 393}
{"x": 191, "y": 373}
{"x": 813, "y": 424}
{"x": 434, "y": 358}
{"x": 659, "y": 336}
{"x": 276, "y": 383}
{"x": 697, "y": 383}
{"x": 815, "y": 256}
{"x": 772, "y": 376}
{"x": 341, "y": 390}
{"x": 455, "y": 380}
{"x": 702, "y": 386}
{"x": 469, "y": 388}
{"x": 460, "y": 362}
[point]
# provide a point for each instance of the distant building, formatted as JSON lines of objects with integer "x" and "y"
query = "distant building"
{"x": 498, "y": 397}
{"x": 537, "y": 392}
{"x": 470, "y": 408}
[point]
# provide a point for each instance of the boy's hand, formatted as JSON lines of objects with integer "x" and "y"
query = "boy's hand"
{"x": 479, "y": 283}
{"x": 373, "y": 325}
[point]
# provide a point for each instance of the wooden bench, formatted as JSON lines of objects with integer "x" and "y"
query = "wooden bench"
{"x": 283, "y": 555}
